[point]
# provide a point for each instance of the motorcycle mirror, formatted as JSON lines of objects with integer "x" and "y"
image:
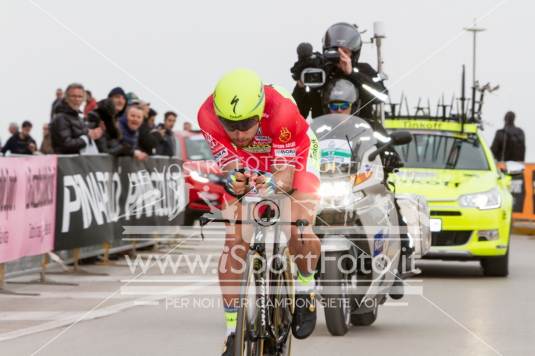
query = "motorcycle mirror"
{"x": 400, "y": 137}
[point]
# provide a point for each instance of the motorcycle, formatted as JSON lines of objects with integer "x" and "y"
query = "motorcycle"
{"x": 358, "y": 222}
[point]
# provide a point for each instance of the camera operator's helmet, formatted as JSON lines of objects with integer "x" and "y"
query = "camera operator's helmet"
{"x": 345, "y": 35}
{"x": 239, "y": 95}
{"x": 342, "y": 90}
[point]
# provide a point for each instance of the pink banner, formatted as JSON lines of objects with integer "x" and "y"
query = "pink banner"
{"x": 27, "y": 206}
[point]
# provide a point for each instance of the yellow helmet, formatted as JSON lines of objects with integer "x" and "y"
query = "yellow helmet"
{"x": 239, "y": 95}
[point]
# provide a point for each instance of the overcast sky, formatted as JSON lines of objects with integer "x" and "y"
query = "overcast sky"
{"x": 172, "y": 53}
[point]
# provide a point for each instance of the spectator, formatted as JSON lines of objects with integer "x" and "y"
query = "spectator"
{"x": 151, "y": 117}
{"x": 90, "y": 103}
{"x": 132, "y": 98}
{"x": 118, "y": 96}
{"x": 56, "y": 102}
{"x": 149, "y": 136}
{"x": 21, "y": 142}
{"x": 104, "y": 116}
{"x": 13, "y": 128}
{"x": 167, "y": 145}
{"x": 46, "y": 144}
{"x": 129, "y": 125}
{"x": 509, "y": 142}
{"x": 186, "y": 126}
{"x": 68, "y": 131}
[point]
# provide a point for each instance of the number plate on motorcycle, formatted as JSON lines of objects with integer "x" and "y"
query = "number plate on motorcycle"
{"x": 435, "y": 225}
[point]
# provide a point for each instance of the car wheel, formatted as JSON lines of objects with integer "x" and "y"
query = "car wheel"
{"x": 496, "y": 266}
{"x": 190, "y": 216}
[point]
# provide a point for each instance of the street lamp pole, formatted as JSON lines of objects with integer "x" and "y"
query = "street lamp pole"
{"x": 475, "y": 30}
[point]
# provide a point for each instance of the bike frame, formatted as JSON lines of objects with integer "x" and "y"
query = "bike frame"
{"x": 257, "y": 250}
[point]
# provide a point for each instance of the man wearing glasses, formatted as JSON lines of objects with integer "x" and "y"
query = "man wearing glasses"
{"x": 249, "y": 125}
{"x": 341, "y": 97}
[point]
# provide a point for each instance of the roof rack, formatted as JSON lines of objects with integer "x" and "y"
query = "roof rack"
{"x": 457, "y": 110}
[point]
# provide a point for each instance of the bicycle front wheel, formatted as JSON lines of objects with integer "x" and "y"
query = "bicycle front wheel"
{"x": 249, "y": 339}
{"x": 282, "y": 304}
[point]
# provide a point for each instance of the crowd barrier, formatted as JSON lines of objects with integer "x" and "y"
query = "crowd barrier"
{"x": 55, "y": 203}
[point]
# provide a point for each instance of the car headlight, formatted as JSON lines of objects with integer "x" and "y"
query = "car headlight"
{"x": 196, "y": 176}
{"x": 483, "y": 201}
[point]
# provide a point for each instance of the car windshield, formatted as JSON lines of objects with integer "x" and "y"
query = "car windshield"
{"x": 197, "y": 148}
{"x": 440, "y": 151}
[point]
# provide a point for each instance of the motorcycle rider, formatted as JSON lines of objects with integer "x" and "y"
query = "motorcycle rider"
{"x": 340, "y": 99}
{"x": 251, "y": 125}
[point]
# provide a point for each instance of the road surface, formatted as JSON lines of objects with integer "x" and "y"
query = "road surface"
{"x": 459, "y": 312}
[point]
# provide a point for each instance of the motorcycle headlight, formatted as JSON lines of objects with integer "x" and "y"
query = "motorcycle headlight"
{"x": 484, "y": 201}
{"x": 335, "y": 189}
{"x": 338, "y": 194}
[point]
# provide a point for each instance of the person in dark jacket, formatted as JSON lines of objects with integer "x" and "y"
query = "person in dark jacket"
{"x": 118, "y": 96}
{"x": 346, "y": 39}
{"x": 59, "y": 98}
{"x": 167, "y": 145}
{"x": 13, "y": 128}
{"x": 149, "y": 135}
{"x": 104, "y": 116}
{"x": 129, "y": 125}
{"x": 21, "y": 142}
{"x": 509, "y": 143}
{"x": 68, "y": 131}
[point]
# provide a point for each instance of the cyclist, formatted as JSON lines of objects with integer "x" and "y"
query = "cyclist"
{"x": 251, "y": 125}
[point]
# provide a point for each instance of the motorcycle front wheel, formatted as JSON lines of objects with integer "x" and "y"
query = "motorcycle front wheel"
{"x": 336, "y": 296}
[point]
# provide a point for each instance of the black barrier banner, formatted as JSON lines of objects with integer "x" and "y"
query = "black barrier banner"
{"x": 154, "y": 194}
{"x": 98, "y": 195}
{"x": 88, "y": 206}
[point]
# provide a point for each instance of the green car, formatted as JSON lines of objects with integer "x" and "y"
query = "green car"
{"x": 469, "y": 200}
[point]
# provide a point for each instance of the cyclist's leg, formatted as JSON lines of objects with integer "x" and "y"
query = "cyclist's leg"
{"x": 306, "y": 250}
{"x": 304, "y": 204}
{"x": 232, "y": 260}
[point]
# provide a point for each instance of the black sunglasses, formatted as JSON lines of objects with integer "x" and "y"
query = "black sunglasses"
{"x": 242, "y": 125}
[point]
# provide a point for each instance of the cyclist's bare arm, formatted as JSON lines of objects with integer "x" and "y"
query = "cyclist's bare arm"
{"x": 283, "y": 175}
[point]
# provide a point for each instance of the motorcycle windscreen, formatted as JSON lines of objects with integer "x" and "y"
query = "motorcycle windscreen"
{"x": 343, "y": 140}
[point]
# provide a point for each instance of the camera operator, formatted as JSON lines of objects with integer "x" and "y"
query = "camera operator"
{"x": 341, "y": 50}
